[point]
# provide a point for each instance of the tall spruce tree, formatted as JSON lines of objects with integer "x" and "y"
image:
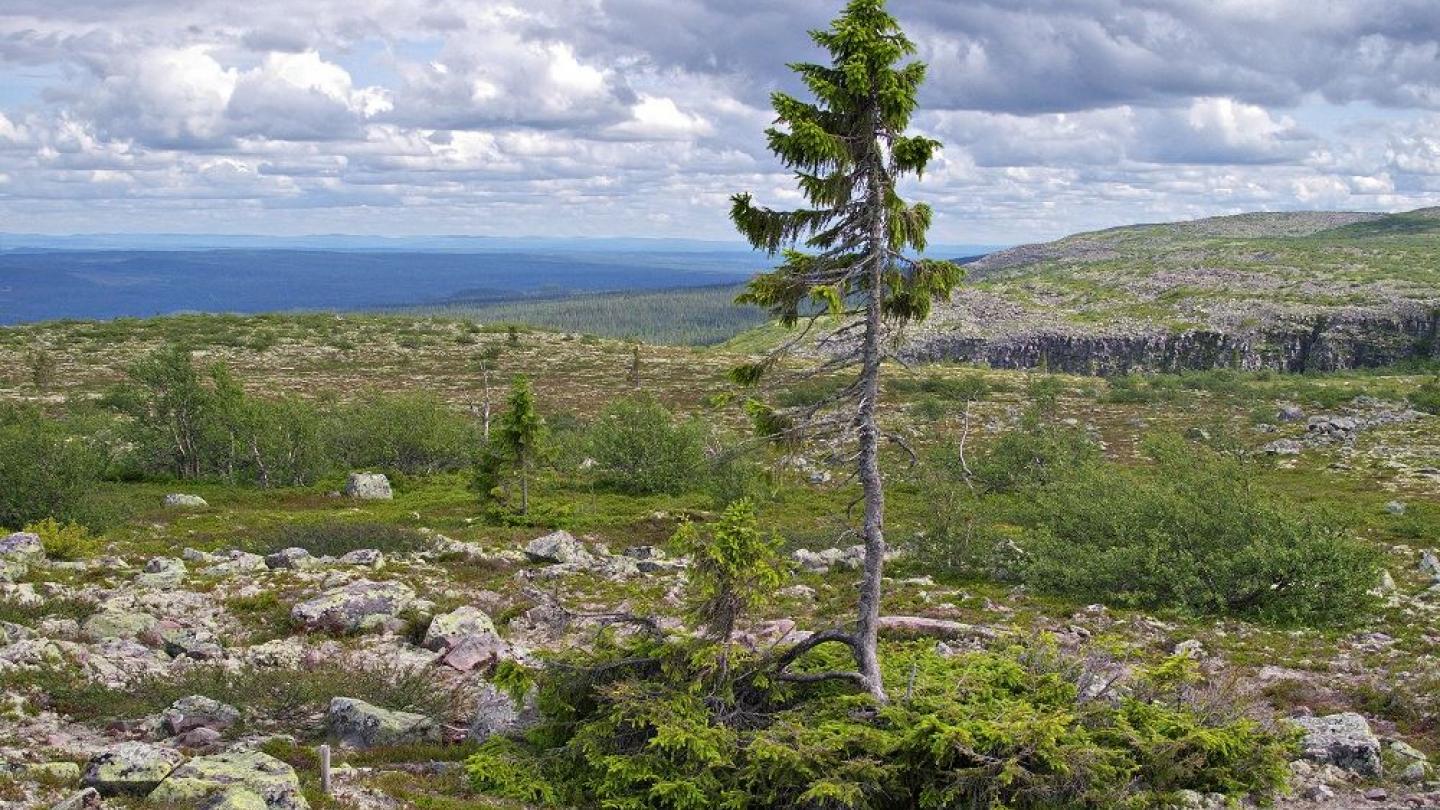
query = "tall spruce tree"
{"x": 859, "y": 266}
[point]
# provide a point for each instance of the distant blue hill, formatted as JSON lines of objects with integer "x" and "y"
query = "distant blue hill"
{"x": 98, "y": 277}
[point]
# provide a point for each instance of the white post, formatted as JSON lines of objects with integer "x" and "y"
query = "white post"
{"x": 325, "y": 769}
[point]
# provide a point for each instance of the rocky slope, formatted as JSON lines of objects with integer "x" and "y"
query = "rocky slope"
{"x": 1289, "y": 292}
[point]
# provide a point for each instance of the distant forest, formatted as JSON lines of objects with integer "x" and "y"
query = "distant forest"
{"x": 697, "y": 316}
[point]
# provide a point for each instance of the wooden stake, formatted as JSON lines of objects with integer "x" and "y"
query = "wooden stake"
{"x": 325, "y": 769}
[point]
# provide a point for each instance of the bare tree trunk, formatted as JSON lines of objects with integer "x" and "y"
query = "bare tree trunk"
{"x": 867, "y": 653}
{"x": 486, "y": 423}
{"x": 524, "y": 484}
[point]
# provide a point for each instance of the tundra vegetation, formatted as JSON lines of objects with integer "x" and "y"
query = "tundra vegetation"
{"x": 642, "y": 579}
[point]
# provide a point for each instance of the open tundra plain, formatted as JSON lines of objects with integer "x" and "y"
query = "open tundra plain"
{"x": 211, "y": 626}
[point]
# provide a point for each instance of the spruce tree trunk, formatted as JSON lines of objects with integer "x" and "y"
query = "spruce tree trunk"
{"x": 524, "y": 483}
{"x": 867, "y": 653}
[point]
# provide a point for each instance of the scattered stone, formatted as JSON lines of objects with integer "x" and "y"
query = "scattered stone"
{"x": 368, "y": 487}
{"x": 1343, "y": 740}
{"x": 1430, "y": 564}
{"x": 933, "y": 628}
{"x": 449, "y": 629}
{"x": 497, "y": 713}
{"x": 1377, "y": 794}
{"x": 357, "y": 724}
{"x": 237, "y": 562}
{"x": 22, "y": 547}
{"x": 117, "y": 623}
{"x": 476, "y": 651}
{"x": 162, "y": 572}
{"x": 354, "y": 606}
{"x": 191, "y": 642}
{"x": 198, "y": 711}
{"x": 368, "y": 557}
{"x": 198, "y": 738}
{"x": 1290, "y": 413}
{"x": 1190, "y": 648}
{"x": 182, "y": 501}
{"x": 87, "y": 799}
{"x": 1395, "y": 507}
{"x": 1414, "y": 773}
{"x": 212, "y": 777}
{"x": 558, "y": 547}
{"x": 826, "y": 559}
{"x": 132, "y": 768}
{"x": 1332, "y": 428}
{"x": 1284, "y": 447}
{"x": 1405, "y": 750}
{"x": 291, "y": 558}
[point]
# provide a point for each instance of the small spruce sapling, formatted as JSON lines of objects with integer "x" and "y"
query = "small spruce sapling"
{"x": 517, "y": 442}
{"x": 735, "y": 567}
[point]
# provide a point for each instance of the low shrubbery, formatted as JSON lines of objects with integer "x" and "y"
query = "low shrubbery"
{"x": 192, "y": 422}
{"x": 662, "y": 724}
{"x": 336, "y": 538}
{"x": 1193, "y": 531}
{"x": 642, "y": 449}
{"x": 44, "y": 471}
{"x": 64, "y": 541}
{"x": 1427, "y": 397}
{"x": 267, "y": 694}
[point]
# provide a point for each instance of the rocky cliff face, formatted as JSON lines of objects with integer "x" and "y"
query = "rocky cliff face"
{"x": 1327, "y": 342}
{"x": 1286, "y": 292}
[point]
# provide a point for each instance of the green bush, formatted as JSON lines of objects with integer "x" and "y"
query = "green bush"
{"x": 657, "y": 724}
{"x": 335, "y": 538}
{"x": 44, "y": 472}
{"x": 403, "y": 433}
{"x": 1195, "y": 532}
{"x": 67, "y": 541}
{"x": 1037, "y": 451}
{"x": 1427, "y": 397}
{"x": 642, "y": 450}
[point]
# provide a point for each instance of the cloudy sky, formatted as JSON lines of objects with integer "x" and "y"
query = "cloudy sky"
{"x": 641, "y": 117}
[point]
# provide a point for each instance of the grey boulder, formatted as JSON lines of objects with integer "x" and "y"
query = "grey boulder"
{"x": 368, "y": 487}
{"x": 198, "y": 711}
{"x": 356, "y": 724}
{"x": 1343, "y": 740}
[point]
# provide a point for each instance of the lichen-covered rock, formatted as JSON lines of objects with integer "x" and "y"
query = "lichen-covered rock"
{"x": 357, "y": 724}
{"x": 162, "y": 572}
{"x": 22, "y": 547}
{"x": 87, "y": 799}
{"x": 237, "y": 562}
{"x": 118, "y": 623}
{"x": 198, "y": 711}
{"x": 368, "y": 487}
{"x": 1343, "y": 740}
{"x": 59, "y": 773}
{"x": 132, "y": 768}
{"x": 236, "y": 799}
{"x": 179, "y": 500}
{"x": 558, "y": 547}
{"x": 497, "y": 713}
{"x": 291, "y": 558}
{"x": 210, "y": 778}
{"x": 354, "y": 606}
{"x": 448, "y": 629}
{"x": 368, "y": 557}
